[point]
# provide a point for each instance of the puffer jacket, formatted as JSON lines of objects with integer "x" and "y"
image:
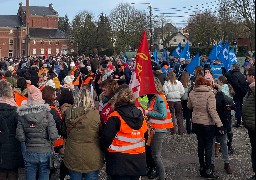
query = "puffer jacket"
{"x": 82, "y": 149}
{"x": 203, "y": 103}
{"x": 249, "y": 108}
{"x": 173, "y": 92}
{"x": 36, "y": 127}
{"x": 10, "y": 150}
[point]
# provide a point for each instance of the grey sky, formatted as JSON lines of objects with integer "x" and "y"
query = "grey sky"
{"x": 72, "y": 7}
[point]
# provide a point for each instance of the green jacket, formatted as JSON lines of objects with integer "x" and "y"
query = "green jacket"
{"x": 249, "y": 108}
{"x": 82, "y": 148}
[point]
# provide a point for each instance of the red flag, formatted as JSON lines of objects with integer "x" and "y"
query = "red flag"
{"x": 142, "y": 81}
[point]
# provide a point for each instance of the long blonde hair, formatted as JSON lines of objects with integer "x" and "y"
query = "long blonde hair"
{"x": 185, "y": 79}
{"x": 84, "y": 99}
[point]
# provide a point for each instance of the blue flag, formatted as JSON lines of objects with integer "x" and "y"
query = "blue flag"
{"x": 155, "y": 56}
{"x": 219, "y": 48}
{"x": 223, "y": 56}
{"x": 216, "y": 70}
{"x": 232, "y": 56}
{"x": 213, "y": 54}
{"x": 185, "y": 54}
{"x": 165, "y": 55}
{"x": 193, "y": 63}
{"x": 125, "y": 57}
{"x": 177, "y": 51}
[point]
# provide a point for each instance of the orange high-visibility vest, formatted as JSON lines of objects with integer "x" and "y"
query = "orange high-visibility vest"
{"x": 42, "y": 87}
{"x": 3, "y": 78}
{"x": 19, "y": 98}
{"x": 161, "y": 123}
{"x": 76, "y": 82}
{"x": 128, "y": 140}
{"x": 59, "y": 141}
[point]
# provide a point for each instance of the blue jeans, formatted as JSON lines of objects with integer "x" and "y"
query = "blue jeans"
{"x": 222, "y": 139}
{"x": 87, "y": 176}
{"x": 37, "y": 161}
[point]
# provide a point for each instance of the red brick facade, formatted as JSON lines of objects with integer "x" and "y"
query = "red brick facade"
{"x": 13, "y": 40}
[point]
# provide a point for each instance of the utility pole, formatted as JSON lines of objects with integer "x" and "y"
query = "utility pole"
{"x": 151, "y": 27}
{"x": 27, "y": 26}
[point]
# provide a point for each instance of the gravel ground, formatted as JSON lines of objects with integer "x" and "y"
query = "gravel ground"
{"x": 181, "y": 161}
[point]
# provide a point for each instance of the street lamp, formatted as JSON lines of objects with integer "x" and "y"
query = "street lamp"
{"x": 150, "y": 25}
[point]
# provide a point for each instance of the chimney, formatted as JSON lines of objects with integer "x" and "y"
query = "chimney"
{"x": 51, "y": 6}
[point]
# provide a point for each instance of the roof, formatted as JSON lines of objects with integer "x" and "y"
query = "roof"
{"x": 10, "y": 21}
{"x": 178, "y": 33}
{"x": 171, "y": 27}
{"x": 47, "y": 33}
{"x": 40, "y": 10}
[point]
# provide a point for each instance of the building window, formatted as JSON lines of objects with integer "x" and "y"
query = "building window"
{"x": 42, "y": 50}
{"x": 23, "y": 41}
{"x": 42, "y": 41}
{"x": 57, "y": 51}
{"x": 11, "y": 42}
{"x": 23, "y": 52}
{"x": 49, "y": 51}
{"x": 34, "y": 51}
{"x": 175, "y": 40}
{"x": 10, "y": 53}
{"x": 50, "y": 42}
{"x": 11, "y": 31}
{"x": 184, "y": 40}
{"x": 34, "y": 42}
{"x": 57, "y": 42}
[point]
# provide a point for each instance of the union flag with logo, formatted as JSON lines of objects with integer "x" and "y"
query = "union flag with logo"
{"x": 142, "y": 81}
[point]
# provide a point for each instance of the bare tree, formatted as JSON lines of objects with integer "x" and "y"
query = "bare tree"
{"x": 127, "y": 25}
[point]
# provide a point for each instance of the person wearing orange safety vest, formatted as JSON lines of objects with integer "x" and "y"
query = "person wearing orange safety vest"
{"x": 160, "y": 120}
{"x": 123, "y": 139}
{"x": 21, "y": 92}
{"x": 49, "y": 95}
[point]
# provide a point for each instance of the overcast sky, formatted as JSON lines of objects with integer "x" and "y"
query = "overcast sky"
{"x": 73, "y": 7}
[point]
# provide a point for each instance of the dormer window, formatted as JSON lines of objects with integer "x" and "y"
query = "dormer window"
{"x": 11, "y": 42}
{"x": 11, "y": 31}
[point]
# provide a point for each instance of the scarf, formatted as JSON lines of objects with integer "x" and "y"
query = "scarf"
{"x": 9, "y": 101}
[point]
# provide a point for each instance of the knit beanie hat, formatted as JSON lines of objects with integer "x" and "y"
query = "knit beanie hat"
{"x": 34, "y": 96}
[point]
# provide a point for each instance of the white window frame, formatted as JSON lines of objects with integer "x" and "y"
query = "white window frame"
{"x": 49, "y": 51}
{"x": 11, "y": 41}
{"x": 57, "y": 50}
{"x": 42, "y": 51}
{"x": 34, "y": 51}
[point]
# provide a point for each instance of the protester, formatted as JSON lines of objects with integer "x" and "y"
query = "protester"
{"x": 123, "y": 139}
{"x": 83, "y": 156}
{"x": 204, "y": 117}
{"x": 160, "y": 120}
{"x": 36, "y": 128}
{"x": 174, "y": 90}
{"x": 185, "y": 80}
{"x": 240, "y": 86}
{"x": 10, "y": 147}
{"x": 249, "y": 115}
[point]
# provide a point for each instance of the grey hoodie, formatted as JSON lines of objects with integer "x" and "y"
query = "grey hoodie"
{"x": 36, "y": 127}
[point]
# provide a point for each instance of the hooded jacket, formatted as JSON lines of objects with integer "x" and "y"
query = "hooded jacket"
{"x": 119, "y": 163}
{"x": 36, "y": 127}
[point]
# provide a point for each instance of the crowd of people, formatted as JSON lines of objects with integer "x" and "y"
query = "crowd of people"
{"x": 81, "y": 108}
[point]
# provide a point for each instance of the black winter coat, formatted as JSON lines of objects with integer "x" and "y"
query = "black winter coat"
{"x": 239, "y": 83}
{"x": 10, "y": 151}
{"x": 119, "y": 163}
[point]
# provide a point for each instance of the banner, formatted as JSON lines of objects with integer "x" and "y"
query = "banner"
{"x": 142, "y": 81}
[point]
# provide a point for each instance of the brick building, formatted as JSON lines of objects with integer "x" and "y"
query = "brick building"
{"x": 34, "y": 35}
